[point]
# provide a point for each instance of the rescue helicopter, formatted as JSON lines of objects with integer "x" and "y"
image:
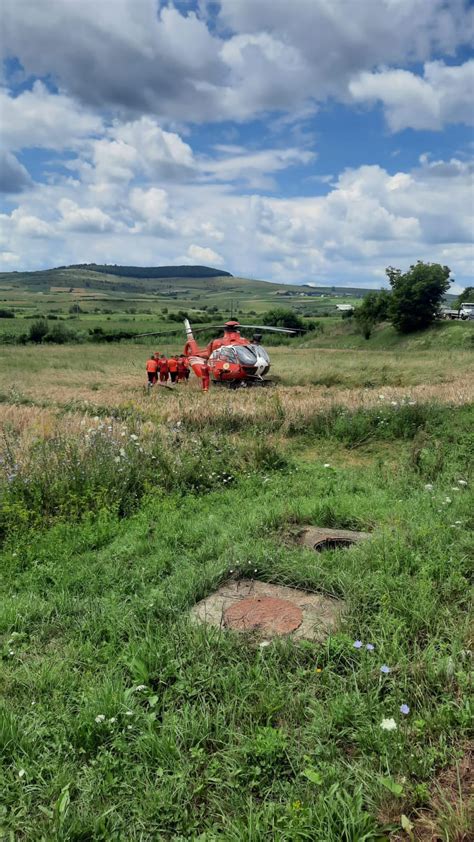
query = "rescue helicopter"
{"x": 233, "y": 360}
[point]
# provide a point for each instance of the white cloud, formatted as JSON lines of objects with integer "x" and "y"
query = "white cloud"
{"x": 369, "y": 219}
{"x": 138, "y": 57}
{"x": 40, "y": 118}
{"x": 443, "y": 95}
{"x": 91, "y": 220}
{"x": 199, "y": 254}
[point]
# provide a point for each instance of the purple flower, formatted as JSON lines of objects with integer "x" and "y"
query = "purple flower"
{"x": 370, "y": 647}
{"x": 404, "y": 709}
{"x": 357, "y": 644}
{"x": 385, "y": 669}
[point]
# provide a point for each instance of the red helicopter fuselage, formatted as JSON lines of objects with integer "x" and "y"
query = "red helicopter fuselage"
{"x": 231, "y": 359}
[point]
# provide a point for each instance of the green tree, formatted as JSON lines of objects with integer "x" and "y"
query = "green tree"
{"x": 374, "y": 308}
{"x": 417, "y": 295}
{"x": 467, "y": 295}
{"x": 281, "y": 317}
{"x": 38, "y": 330}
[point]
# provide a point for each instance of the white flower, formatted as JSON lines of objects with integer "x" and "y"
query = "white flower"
{"x": 129, "y": 727}
{"x": 458, "y": 522}
{"x": 134, "y": 437}
{"x": 326, "y": 465}
{"x": 388, "y": 725}
{"x": 141, "y": 687}
{"x": 122, "y": 452}
{"x": 447, "y": 500}
{"x": 428, "y": 486}
{"x": 129, "y": 713}
{"x": 11, "y": 653}
{"x": 117, "y": 459}
{"x": 264, "y": 644}
{"x": 21, "y": 772}
{"x": 112, "y": 720}
{"x": 394, "y": 403}
{"x": 100, "y": 717}
{"x": 382, "y": 397}
{"x": 462, "y": 482}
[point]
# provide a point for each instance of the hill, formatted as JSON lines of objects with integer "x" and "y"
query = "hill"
{"x": 151, "y": 271}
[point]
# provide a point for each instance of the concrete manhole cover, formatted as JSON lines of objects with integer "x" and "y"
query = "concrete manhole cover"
{"x": 269, "y": 610}
{"x": 266, "y": 613}
{"x": 321, "y": 538}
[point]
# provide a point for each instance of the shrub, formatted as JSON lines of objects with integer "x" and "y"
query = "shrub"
{"x": 38, "y": 330}
{"x": 417, "y": 295}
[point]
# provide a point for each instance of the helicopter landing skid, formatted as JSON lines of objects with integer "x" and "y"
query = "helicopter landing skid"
{"x": 243, "y": 384}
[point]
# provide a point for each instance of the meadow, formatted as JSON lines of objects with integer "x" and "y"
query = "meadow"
{"x": 122, "y": 720}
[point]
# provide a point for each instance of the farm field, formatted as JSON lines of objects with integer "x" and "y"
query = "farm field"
{"x": 121, "y": 719}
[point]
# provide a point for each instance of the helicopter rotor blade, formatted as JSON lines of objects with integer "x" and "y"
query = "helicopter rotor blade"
{"x": 265, "y": 328}
{"x": 159, "y": 333}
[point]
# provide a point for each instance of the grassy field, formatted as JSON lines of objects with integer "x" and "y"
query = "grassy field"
{"x": 122, "y": 720}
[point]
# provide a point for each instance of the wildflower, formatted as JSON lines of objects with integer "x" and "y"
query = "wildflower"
{"x": 100, "y": 717}
{"x": 129, "y": 713}
{"x": 453, "y": 488}
{"x": 357, "y": 644}
{"x": 370, "y": 647}
{"x": 404, "y": 709}
{"x": 382, "y": 397}
{"x": 129, "y": 727}
{"x": 428, "y": 486}
{"x": 134, "y": 437}
{"x": 112, "y": 720}
{"x": 21, "y": 773}
{"x": 394, "y": 403}
{"x": 385, "y": 669}
{"x": 388, "y": 725}
{"x": 447, "y": 500}
{"x": 326, "y": 465}
{"x": 462, "y": 482}
{"x": 122, "y": 453}
{"x": 458, "y": 522}
{"x": 11, "y": 653}
{"x": 318, "y": 669}
{"x": 141, "y": 687}
{"x": 117, "y": 459}
{"x": 264, "y": 644}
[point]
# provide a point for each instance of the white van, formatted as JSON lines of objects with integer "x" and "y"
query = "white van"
{"x": 466, "y": 310}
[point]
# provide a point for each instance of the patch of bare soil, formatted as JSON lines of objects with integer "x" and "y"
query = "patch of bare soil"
{"x": 450, "y": 814}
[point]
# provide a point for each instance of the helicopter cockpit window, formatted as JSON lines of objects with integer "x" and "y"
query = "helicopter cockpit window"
{"x": 246, "y": 355}
{"x": 227, "y": 354}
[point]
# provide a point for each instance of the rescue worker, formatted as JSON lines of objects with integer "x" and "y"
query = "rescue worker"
{"x": 181, "y": 370}
{"x": 151, "y": 370}
{"x": 187, "y": 368}
{"x": 173, "y": 368}
{"x": 164, "y": 371}
{"x": 205, "y": 376}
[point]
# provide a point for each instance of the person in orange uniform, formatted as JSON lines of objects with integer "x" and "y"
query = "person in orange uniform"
{"x": 173, "y": 368}
{"x": 205, "y": 376}
{"x": 164, "y": 371}
{"x": 181, "y": 370}
{"x": 151, "y": 370}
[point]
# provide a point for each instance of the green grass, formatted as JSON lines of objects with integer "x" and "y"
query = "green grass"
{"x": 227, "y": 740}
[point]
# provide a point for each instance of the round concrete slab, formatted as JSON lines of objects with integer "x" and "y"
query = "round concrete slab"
{"x": 267, "y": 614}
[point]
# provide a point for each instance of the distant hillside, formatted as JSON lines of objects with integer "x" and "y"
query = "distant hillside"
{"x": 151, "y": 271}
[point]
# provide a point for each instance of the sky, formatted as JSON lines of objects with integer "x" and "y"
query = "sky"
{"x": 299, "y": 141}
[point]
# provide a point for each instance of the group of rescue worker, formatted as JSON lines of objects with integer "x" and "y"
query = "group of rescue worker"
{"x": 175, "y": 369}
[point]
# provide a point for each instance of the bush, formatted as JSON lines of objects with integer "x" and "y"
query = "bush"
{"x": 6, "y": 314}
{"x": 60, "y": 334}
{"x": 38, "y": 330}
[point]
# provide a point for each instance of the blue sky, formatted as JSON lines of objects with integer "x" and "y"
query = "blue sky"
{"x": 303, "y": 142}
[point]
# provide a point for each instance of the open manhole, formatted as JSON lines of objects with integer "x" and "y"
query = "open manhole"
{"x": 333, "y": 544}
{"x": 268, "y": 610}
{"x": 321, "y": 539}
